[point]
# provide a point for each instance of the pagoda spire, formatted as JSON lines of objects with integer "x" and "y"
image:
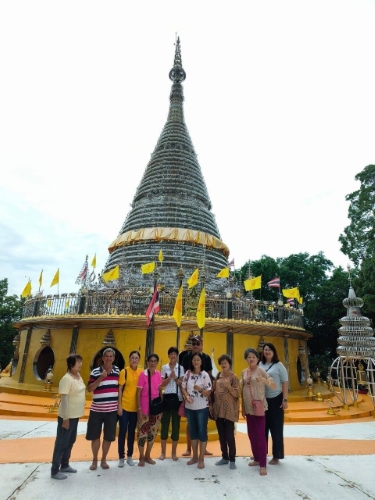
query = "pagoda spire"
{"x": 177, "y": 73}
{"x": 171, "y": 209}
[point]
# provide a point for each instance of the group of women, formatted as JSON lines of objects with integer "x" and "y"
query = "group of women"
{"x": 263, "y": 389}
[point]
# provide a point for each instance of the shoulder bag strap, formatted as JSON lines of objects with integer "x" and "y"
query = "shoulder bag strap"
{"x": 149, "y": 387}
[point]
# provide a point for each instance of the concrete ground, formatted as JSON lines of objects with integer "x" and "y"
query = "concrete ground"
{"x": 323, "y": 461}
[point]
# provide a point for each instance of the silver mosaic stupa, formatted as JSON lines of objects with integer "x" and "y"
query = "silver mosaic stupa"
{"x": 171, "y": 209}
{"x": 354, "y": 369}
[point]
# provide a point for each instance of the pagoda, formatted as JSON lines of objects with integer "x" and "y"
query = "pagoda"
{"x": 171, "y": 209}
{"x": 170, "y": 224}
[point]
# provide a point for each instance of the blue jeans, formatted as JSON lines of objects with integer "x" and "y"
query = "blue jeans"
{"x": 65, "y": 438}
{"x": 197, "y": 420}
{"x": 127, "y": 423}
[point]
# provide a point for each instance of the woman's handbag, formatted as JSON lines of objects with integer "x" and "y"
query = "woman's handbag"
{"x": 156, "y": 404}
{"x": 170, "y": 400}
{"x": 258, "y": 406}
{"x": 181, "y": 410}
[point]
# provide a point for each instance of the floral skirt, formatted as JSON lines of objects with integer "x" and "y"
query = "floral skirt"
{"x": 148, "y": 428}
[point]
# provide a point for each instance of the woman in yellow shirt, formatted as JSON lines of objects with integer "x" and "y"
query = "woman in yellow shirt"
{"x": 127, "y": 407}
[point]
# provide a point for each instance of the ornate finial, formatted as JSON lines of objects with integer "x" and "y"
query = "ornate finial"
{"x": 177, "y": 73}
{"x": 350, "y": 278}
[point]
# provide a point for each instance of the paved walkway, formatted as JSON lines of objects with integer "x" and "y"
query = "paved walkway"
{"x": 335, "y": 460}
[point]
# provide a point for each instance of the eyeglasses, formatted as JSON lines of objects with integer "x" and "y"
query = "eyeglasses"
{"x": 195, "y": 343}
{"x": 153, "y": 361}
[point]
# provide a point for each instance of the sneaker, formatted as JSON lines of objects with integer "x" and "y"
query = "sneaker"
{"x": 222, "y": 461}
{"x": 59, "y": 475}
{"x": 68, "y": 469}
{"x": 121, "y": 462}
{"x": 233, "y": 465}
{"x": 130, "y": 461}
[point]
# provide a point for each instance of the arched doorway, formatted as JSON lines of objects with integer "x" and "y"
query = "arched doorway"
{"x": 97, "y": 359}
{"x": 44, "y": 359}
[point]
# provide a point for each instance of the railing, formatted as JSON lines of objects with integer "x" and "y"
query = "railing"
{"x": 136, "y": 303}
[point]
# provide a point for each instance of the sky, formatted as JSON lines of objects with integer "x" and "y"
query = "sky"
{"x": 279, "y": 103}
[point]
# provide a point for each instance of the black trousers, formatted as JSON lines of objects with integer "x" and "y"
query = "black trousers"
{"x": 275, "y": 425}
{"x": 65, "y": 439}
{"x": 225, "y": 428}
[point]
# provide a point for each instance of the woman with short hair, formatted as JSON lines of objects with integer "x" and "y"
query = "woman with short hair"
{"x": 148, "y": 424}
{"x": 254, "y": 405}
{"x": 127, "y": 407}
{"x": 172, "y": 374}
{"x": 226, "y": 410}
{"x": 72, "y": 406}
{"x": 277, "y": 400}
{"x": 196, "y": 389}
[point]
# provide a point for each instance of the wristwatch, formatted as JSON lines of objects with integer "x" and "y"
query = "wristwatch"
{"x": 285, "y": 400}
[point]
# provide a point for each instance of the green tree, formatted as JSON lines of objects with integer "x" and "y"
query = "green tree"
{"x": 322, "y": 287}
{"x": 358, "y": 239}
{"x": 10, "y": 311}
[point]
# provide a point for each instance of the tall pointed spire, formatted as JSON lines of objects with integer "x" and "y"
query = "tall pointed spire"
{"x": 171, "y": 208}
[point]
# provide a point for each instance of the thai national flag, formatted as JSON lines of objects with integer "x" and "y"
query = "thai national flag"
{"x": 275, "y": 283}
{"x": 231, "y": 263}
{"x": 153, "y": 307}
{"x": 291, "y": 302}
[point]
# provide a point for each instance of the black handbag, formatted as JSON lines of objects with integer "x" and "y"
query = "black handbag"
{"x": 170, "y": 400}
{"x": 156, "y": 404}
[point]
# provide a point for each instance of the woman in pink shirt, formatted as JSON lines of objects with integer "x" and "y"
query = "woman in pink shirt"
{"x": 148, "y": 425}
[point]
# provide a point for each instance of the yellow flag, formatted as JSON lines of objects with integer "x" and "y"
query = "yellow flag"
{"x": 67, "y": 302}
{"x": 201, "y": 310}
{"x": 148, "y": 268}
{"x": 253, "y": 283}
{"x": 111, "y": 275}
{"x": 93, "y": 263}
{"x": 224, "y": 273}
{"x": 55, "y": 278}
{"x": 161, "y": 256}
{"x": 41, "y": 278}
{"x": 27, "y": 290}
{"x": 300, "y": 300}
{"x": 177, "y": 311}
{"x": 193, "y": 280}
{"x": 49, "y": 303}
{"x": 291, "y": 293}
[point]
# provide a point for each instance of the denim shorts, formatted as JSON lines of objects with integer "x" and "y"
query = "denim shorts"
{"x": 197, "y": 420}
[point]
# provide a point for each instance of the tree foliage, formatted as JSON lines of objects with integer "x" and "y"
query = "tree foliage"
{"x": 358, "y": 239}
{"x": 322, "y": 286}
{"x": 10, "y": 311}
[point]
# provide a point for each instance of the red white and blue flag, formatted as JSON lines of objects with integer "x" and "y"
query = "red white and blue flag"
{"x": 275, "y": 283}
{"x": 291, "y": 302}
{"x": 231, "y": 263}
{"x": 153, "y": 307}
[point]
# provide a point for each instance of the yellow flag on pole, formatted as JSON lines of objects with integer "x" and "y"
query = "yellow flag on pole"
{"x": 93, "y": 263}
{"x": 193, "y": 280}
{"x": 300, "y": 300}
{"x": 27, "y": 290}
{"x": 253, "y": 283}
{"x": 111, "y": 275}
{"x": 291, "y": 293}
{"x": 177, "y": 311}
{"x": 201, "y": 310}
{"x": 161, "y": 256}
{"x": 55, "y": 278}
{"x": 41, "y": 278}
{"x": 148, "y": 268}
{"x": 224, "y": 273}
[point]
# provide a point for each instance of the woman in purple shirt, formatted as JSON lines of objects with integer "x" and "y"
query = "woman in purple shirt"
{"x": 148, "y": 425}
